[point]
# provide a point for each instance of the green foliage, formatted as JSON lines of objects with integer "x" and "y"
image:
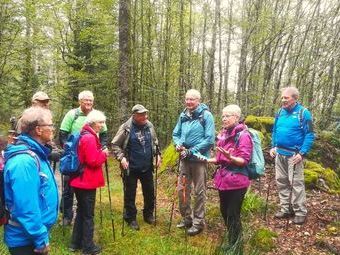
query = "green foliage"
{"x": 252, "y": 203}
{"x": 263, "y": 239}
{"x": 314, "y": 171}
{"x": 169, "y": 158}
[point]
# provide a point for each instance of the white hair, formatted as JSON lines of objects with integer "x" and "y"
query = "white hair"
{"x": 85, "y": 94}
{"x": 95, "y": 116}
{"x": 293, "y": 91}
{"x": 194, "y": 93}
{"x": 233, "y": 109}
{"x": 32, "y": 117}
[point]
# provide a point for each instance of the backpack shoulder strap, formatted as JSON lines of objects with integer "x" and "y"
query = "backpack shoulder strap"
{"x": 300, "y": 116}
{"x": 76, "y": 116}
{"x": 29, "y": 152}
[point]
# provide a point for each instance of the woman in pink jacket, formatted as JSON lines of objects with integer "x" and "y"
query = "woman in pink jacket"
{"x": 234, "y": 148}
{"x": 92, "y": 157}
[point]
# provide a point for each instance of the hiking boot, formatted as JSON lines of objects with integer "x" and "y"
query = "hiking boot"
{"x": 299, "y": 220}
{"x": 150, "y": 220}
{"x": 134, "y": 225}
{"x": 184, "y": 224}
{"x": 92, "y": 251}
{"x": 74, "y": 247}
{"x": 283, "y": 215}
{"x": 194, "y": 230}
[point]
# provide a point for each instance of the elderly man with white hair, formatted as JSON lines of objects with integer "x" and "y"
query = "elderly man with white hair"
{"x": 194, "y": 135}
{"x": 292, "y": 138}
{"x": 73, "y": 122}
{"x": 31, "y": 193}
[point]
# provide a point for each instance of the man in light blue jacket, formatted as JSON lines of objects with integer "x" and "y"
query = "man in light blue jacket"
{"x": 194, "y": 136}
{"x": 292, "y": 139}
{"x": 31, "y": 194}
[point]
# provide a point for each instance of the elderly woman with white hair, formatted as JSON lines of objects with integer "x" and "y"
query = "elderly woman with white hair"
{"x": 234, "y": 148}
{"x": 92, "y": 157}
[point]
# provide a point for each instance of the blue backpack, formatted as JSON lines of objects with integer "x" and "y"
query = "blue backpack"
{"x": 256, "y": 164}
{"x": 69, "y": 161}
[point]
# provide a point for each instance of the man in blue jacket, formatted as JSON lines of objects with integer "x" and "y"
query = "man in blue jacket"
{"x": 31, "y": 194}
{"x": 194, "y": 135}
{"x": 292, "y": 138}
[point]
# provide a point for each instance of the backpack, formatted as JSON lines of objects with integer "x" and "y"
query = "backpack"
{"x": 69, "y": 161}
{"x": 200, "y": 118}
{"x": 255, "y": 167}
{"x": 300, "y": 115}
{"x": 4, "y": 214}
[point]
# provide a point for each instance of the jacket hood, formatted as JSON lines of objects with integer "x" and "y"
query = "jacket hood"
{"x": 196, "y": 113}
{"x": 25, "y": 142}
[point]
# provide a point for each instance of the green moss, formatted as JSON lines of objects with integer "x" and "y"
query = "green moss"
{"x": 263, "y": 124}
{"x": 263, "y": 239}
{"x": 313, "y": 171}
{"x": 311, "y": 178}
{"x": 170, "y": 157}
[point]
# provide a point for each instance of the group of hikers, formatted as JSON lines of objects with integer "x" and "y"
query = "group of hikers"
{"x": 31, "y": 192}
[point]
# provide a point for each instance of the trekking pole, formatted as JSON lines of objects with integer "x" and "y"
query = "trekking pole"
{"x": 124, "y": 174}
{"x": 173, "y": 196}
{"x": 62, "y": 204}
{"x": 290, "y": 196}
{"x": 184, "y": 183}
{"x": 110, "y": 202}
{"x": 156, "y": 180}
{"x": 100, "y": 207}
{"x": 267, "y": 199}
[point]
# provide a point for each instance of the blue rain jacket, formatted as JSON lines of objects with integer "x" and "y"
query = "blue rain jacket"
{"x": 31, "y": 196}
{"x": 292, "y": 135}
{"x": 195, "y": 132}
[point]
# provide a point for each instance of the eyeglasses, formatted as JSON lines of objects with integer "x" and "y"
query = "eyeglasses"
{"x": 227, "y": 116}
{"x": 47, "y": 125}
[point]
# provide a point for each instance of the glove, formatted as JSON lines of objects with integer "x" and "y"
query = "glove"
{"x": 185, "y": 153}
{"x": 179, "y": 148}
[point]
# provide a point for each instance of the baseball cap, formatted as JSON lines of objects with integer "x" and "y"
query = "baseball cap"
{"x": 138, "y": 108}
{"x": 40, "y": 96}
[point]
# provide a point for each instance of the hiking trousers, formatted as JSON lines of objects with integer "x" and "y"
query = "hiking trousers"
{"x": 192, "y": 179}
{"x": 82, "y": 235}
{"x": 230, "y": 206}
{"x": 292, "y": 198}
{"x": 146, "y": 180}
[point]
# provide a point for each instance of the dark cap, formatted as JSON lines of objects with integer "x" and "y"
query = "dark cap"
{"x": 138, "y": 108}
{"x": 40, "y": 96}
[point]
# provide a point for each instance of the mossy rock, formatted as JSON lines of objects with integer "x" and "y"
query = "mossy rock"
{"x": 263, "y": 239}
{"x": 169, "y": 158}
{"x": 314, "y": 171}
{"x": 263, "y": 125}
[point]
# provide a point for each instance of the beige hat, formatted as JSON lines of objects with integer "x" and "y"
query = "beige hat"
{"x": 138, "y": 108}
{"x": 40, "y": 96}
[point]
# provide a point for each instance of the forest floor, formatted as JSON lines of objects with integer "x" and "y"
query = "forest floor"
{"x": 319, "y": 234}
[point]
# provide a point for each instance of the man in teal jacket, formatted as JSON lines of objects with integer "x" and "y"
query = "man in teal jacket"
{"x": 292, "y": 138}
{"x": 194, "y": 136}
{"x": 31, "y": 193}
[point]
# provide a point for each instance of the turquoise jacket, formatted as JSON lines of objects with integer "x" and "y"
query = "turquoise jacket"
{"x": 196, "y": 132}
{"x": 31, "y": 194}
